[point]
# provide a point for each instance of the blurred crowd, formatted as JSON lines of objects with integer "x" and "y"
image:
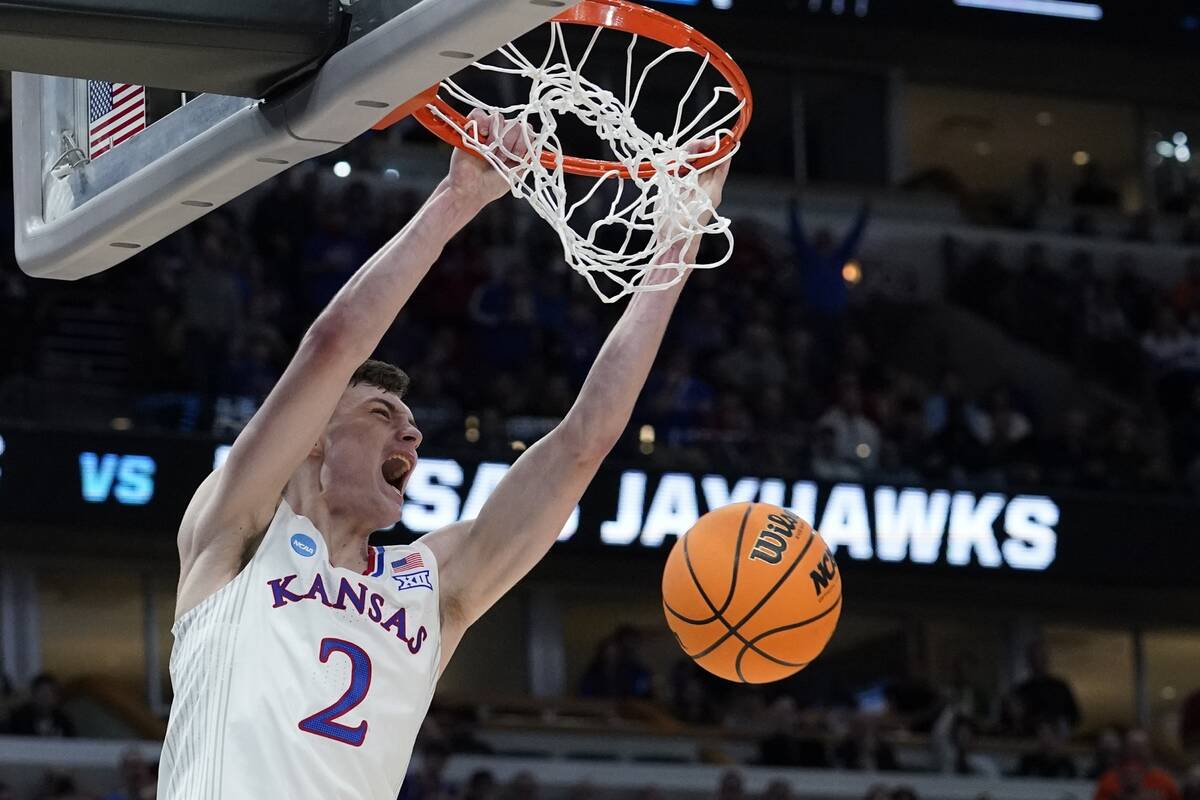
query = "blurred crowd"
{"x": 427, "y": 782}
{"x": 775, "y": 372}
{"x": 824, "y": 725}
{"x": 859, "y": 734}
{"x": 1138, "y": 340}
{"x": 40, "y": 712}
{"x": 1092, "y": 206}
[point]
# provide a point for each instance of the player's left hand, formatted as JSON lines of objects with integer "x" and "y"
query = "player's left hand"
{"x": 712, "y": 181}
{"x": 472, "y": 175}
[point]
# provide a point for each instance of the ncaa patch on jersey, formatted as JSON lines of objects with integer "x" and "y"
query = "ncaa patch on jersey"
{"x": 304, "y": 545}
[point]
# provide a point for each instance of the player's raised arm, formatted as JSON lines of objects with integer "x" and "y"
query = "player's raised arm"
{"x": 238, "y": 500}
{"x": 481, "y": 559}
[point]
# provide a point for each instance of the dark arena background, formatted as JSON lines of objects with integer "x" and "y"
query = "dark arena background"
{"x": 960, "y": 334}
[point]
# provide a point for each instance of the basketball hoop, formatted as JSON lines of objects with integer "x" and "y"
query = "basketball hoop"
{"x": 657, "y": 208}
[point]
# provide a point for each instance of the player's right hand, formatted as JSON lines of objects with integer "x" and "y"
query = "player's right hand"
{"x": 712, "y": 182}
{"x": 474, "y": 177}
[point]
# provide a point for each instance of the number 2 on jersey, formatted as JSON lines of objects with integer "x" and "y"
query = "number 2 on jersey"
{"x": 323, "y": 722}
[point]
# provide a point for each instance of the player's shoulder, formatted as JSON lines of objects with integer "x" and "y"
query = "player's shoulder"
{"x": 214, "y": 547}
{"x": 445, "y": 541}
{"x": 205, "y": 522}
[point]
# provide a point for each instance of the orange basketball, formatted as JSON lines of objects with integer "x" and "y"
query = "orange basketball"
{"x": 752, "y": 593}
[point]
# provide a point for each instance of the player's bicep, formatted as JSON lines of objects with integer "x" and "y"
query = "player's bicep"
{"x": 481, "y": 559}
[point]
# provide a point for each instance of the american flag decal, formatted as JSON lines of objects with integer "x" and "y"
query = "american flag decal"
{"x": 116, "y": 111}
{"x": 410, "y": 561}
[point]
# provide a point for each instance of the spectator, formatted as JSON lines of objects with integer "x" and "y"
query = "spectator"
{"x": 954, "y": 453}
{"x": 954, "y": 743}
{"x": 745, "y": 710}
{"x": 150, "y": 789}
{"x": 1191, "y": 784}
{"x": 332, "y": 252}
{"x": 1168, "y": 345}
{"x": 731, "y": 786}
{"x": 1070, "y": 459}
{"x": 1043, "y": 697}
{"x": 778, "y": 790}
{"x": 678, "y": 398}
{"x": 58, "y": 786}
{"x": 1185, "y": 297}
{"x": 863, "y": 749}
{"x": 1049, "y": 760}
{"x": 43, "y": 714}
{"x": 253, "y": 371}
{"x": 940, "y": 405}
{"x": 785, "y": 745}
{"x": 504, "y": 313}
{"x": 137, "y": 779}
{"x": 827, "y": 462}
{"x": 1108, "y": 333}
{"x": 7, "y": 701}
{"x": 912, "y": 699}
{"x": 459, "y": 733}
{"x": 1136, "y": 777}
{"x": 523, "y": 786}
{"x": 428, "y": 783}
{"x": 1185, "y": 443}
{"x": 1141, "y": 227}
{"x": 1000, "y": 427}
{"x": 878, "y": 792}
{"x": 1125, "y": 456}
{"x": 616, "y": 670}
{"x": 1035, "y": 197}
{"x": 819, "y": 265}
{"x": 753, "y": 361}
{"x": 963, "y": 694}
{"x": 856, "y": 438}
{"x": 582, "y": 791}
{"x": 904, "y": 793}
{"x": 481, "y": 786}
{"x": 692, "y": 697}
{"x": 1107, "y": 755}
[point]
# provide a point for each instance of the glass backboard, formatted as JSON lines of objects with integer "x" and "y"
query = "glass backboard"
{"x": 81, "y": 209}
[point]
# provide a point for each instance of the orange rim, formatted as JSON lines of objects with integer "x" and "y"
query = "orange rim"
{"x": 616, "y": 15}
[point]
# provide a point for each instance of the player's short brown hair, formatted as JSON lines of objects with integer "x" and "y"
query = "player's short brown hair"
{"x": 382, "y": 374}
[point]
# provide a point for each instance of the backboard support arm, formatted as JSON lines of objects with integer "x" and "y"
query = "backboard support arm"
{"x": 215, "y": 148}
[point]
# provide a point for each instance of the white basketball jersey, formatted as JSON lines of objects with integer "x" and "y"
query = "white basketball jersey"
{"x": 303, "y": 680}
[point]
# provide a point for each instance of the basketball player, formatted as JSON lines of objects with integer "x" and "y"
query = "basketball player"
{"x": 305, "y": 659}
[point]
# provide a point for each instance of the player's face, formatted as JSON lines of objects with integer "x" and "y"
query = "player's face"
{"x": 370, "y": 450}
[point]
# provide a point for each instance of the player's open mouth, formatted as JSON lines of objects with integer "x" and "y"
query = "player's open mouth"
{"x": 395, "y": 471}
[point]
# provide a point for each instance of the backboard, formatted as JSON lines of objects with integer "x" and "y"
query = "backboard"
{"x": 79, "y": 212}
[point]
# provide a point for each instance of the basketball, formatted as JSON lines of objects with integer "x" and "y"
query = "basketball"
{"x": 752, "y": 593}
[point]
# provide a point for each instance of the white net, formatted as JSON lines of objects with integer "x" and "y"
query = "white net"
{"x": 637, "y": 239}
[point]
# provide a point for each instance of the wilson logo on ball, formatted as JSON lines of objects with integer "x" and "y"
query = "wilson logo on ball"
{"x": 823, "y": 574}
{"x": 772, "y": 540}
